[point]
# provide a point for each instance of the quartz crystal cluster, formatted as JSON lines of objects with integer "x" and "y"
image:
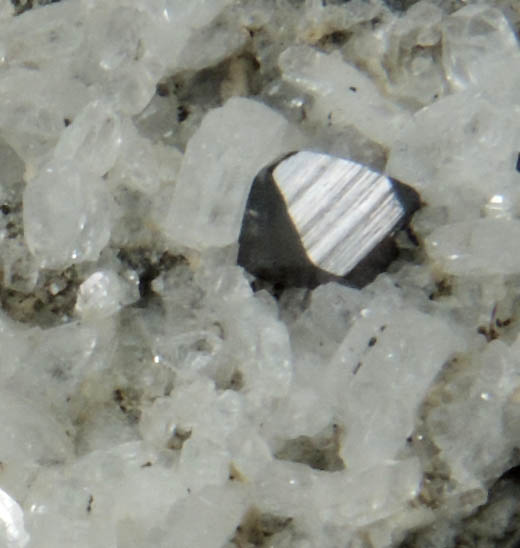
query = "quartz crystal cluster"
{"x": 155, "y": 393}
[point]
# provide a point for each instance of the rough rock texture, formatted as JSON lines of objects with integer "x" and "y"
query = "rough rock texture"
{"x": 152, "y": 393}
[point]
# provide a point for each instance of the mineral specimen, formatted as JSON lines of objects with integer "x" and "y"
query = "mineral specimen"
{"x": 151, "y": 392}
{"x": 312, "y": 217}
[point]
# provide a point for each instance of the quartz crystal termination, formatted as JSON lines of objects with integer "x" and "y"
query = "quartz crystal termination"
{"x": 313, "y": 218}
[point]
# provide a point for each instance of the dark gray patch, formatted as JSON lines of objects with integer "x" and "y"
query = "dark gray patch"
{"x": 320, "y": 452}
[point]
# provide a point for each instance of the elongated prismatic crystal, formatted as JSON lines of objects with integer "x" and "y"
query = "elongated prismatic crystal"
{"x": 312, "y": 218}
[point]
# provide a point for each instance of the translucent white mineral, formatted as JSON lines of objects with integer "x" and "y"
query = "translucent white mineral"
{"x": 483, "y": 129}
{"x": 143, "y": 165}
{"x": 43, "y": 37}
{"x": 45, "y": 104}
{"x": 103, "y": 293}
{"x": 32, "y": 438}
{"x": 221, "y": 160}
{"x": 471, "y": 247}
{"x": 66, "y": 216}
{"x": 215, "y": 510}
{"x": 92, "y": 141}
{"x": 381, "y": 351}
{"x": 343, "y": 95}
{"x": 472, "y": 455}
{"x": 195, "y": 43}
{"x": 12, "y": 531}
{"x": 473, "y": 36}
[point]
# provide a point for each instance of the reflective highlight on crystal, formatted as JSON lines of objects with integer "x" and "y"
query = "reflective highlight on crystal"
{"x": 340, "y": 208}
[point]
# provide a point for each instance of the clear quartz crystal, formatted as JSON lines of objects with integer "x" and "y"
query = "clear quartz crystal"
{"x": 92, "y": 141}
{"x": 231, "y": 145}
{"x": 66, "y": 216}
{"x": 12, "y": 532}
{"x": 101, "y": 294}
{"x": 343, "y": 95}
{"x": 470, "y": 35}
{"x": 470, "y": 247}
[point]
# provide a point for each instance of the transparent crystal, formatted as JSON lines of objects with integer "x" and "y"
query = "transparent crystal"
{"x": 221, "y": 160}
{"x": 66, "y": 217}
{"x": 469, "y": 36}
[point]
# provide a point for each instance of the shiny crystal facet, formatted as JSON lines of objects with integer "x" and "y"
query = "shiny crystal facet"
{"x": 313, "y": 218}
{"x": 340, "y": 208}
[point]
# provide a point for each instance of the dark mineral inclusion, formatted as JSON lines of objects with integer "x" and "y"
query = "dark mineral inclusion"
{"x": 312, "y": 218}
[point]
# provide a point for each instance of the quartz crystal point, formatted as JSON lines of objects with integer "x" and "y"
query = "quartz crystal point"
{"x": 312, "y": 218}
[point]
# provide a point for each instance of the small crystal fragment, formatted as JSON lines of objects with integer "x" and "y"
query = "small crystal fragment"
{"x": 103, "y": 293}
{"x": 312, "y": 217}
{"x": 12, "y": 530}
{"x": 67, "y": 216}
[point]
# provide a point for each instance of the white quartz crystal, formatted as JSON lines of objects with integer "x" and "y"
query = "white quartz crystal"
{"x": 143, "y": 165}
{"x": 484, "y": 128}
{"x": 382, "y": 350}
{"x": 103, "y": 293}
{"x": 12, "y": 531}
{"x": 471, "y": 247}
{"x": 32, "y": 438}
{"x": 45, "y": 104}
{"x": 92, "y": 141}
{"x": 317, "y": 498}
{"x": 195, "y": 43}
{"x": 206, "y": 520}
{"x": 66, "y": 216}
{"x": 43, "y": 37}
{"x": 472, "y": 37}
{"x": 343, "y": 95}
{"x": 472, "y": 455}
{"x": 232, "y": 144}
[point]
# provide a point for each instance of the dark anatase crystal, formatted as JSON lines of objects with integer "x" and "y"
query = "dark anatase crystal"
{"x": 313, "y": 218}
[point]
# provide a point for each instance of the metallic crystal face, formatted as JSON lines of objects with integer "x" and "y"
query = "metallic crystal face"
{"x": 341, "y": 209}
{"x": 312, "y": 218}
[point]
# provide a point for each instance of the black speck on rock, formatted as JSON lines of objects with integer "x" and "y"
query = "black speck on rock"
{"x": 148, "y": 266}
{"x": 182, "y": 113}
{"x": 21, "y": 6}
{"x": 162, "y": 89}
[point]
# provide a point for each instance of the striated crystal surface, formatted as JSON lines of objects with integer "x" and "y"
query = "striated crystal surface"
{"x": 331, "y": 218}
{"x": 340, "y": 209}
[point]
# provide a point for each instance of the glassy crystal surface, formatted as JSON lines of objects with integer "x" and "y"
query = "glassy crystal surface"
{"x": 232, "y": 144}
